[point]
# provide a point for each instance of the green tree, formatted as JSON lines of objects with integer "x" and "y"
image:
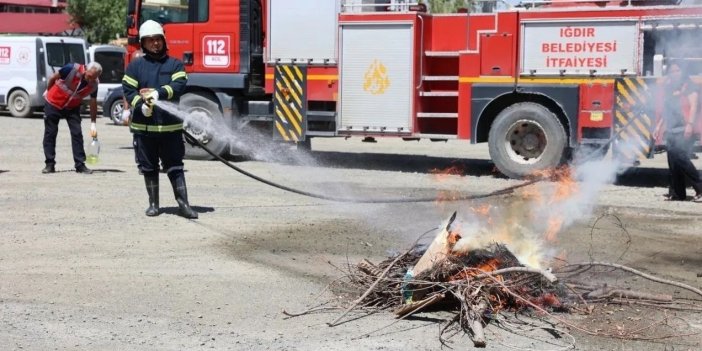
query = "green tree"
{"x": 448, "y": 6}
{"x": 101, "y": 20}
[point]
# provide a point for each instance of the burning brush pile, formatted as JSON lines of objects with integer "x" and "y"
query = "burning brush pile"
{"x": 475, "y": 284}
{"x": 480, "y": 273}
{"x": 481, "y": 284}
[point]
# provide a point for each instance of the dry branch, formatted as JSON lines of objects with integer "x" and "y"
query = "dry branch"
{"x": 369, "y": 290}
{"x": 639, "y": 273}
{"x": 621, "y": 293}
{"x": 408, "y": 309}
{"x": 546, "y": 274}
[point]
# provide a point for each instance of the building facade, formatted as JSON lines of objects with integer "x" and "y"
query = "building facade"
{"x": 47, "y": 17}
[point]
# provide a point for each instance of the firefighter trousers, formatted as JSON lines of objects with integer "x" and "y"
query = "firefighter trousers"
{"x": 681, "y": 168}
{"x": 52, "y": 117}
{"x": 167, "y": 147}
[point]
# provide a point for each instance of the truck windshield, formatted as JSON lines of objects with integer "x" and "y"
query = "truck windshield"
{"x": 59, "y": 54}
{"x": 112, "y": 66}
{"x": 164, "y": 11}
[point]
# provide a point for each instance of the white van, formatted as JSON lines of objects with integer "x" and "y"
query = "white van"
{"x": 26, "y": 62}
{"x": 111, "y": 58}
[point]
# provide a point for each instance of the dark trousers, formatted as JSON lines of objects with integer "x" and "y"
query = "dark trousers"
{"x": 168, "y": 147}
{"x": 52, "y": 116}
{"x": 681, "y": 167}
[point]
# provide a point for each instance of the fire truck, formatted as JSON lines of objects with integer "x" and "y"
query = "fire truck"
{"x": 535, "y": 81}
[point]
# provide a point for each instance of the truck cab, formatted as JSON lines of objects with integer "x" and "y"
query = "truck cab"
{"x": 28, "y": 62}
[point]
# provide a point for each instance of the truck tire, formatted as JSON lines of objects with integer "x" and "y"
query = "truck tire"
{"x": 205, "y": 117}
{"x": 526, "y": 137}
{"x": 18, "y": 104}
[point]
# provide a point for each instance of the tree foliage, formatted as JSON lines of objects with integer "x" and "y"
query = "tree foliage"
{"x": 101, "y": 20}
{"x": 448, "y": 6}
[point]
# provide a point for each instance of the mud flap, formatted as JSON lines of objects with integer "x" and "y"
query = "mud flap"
{"x": 290, "y": 103}
{"x": 634, "y": 119}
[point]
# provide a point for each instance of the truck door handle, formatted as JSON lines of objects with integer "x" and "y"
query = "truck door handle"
{"x": 188, "y": 58}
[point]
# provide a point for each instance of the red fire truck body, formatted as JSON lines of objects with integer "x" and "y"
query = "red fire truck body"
{"x": 534, "y": 82}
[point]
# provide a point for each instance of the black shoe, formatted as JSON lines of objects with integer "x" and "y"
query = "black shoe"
{"x": 83, "y": 169}
{"x": 48, "y": 169}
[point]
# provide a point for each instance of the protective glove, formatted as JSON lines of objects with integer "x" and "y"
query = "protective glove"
{"x": 126, "y": 114}
{"x": 93, "y": 130}
{"x": 146, "y": 110}
{"x": 151, "y": 97}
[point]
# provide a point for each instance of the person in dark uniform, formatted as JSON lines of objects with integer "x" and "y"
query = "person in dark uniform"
{"x": 681, "y": 96}
{"x": 66, "y": 89}
{"x": 157, "y": 134}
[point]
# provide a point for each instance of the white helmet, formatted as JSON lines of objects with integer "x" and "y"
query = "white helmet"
{"x": 150, "y": 28}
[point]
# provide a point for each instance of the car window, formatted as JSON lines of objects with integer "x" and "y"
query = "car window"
{"x": 112, "y": 66}
{"x": 59, "y": 54}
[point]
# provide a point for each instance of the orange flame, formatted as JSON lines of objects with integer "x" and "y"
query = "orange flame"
{"x": 554, "y": 226}
{"x": 443, "y": 174}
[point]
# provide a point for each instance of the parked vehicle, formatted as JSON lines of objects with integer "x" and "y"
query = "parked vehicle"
{"x": 113, "y": 105}
{"x": 111, "y": 58}
{"x": 27, "y": 62}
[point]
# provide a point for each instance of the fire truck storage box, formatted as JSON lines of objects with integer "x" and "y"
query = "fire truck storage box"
{"x": 376, "y": 87}
{"x": 304, "y": 31}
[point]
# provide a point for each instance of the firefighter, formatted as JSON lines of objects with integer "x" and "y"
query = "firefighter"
{"x": 157, "y": 134}
{"x": 680, "y": 101}
{"x": 65, "y": 92}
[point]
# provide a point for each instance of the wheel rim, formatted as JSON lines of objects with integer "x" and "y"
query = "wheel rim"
{"x": 198, "y": 124}
{"x": 525, "y": 142}
{"x": 19, "y": 103}
{"x": 117, "y": 110}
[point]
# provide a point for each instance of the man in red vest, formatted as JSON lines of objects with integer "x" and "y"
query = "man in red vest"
{"x": 66, "y": 90}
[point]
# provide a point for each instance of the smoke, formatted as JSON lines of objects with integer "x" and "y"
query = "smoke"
{"x": 529, "y": 225}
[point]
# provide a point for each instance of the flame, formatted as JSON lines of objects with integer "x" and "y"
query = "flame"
{"x": 554, "y": 226}
{"x": 566, "y": 186}
{"x": 443, "y": 174}
{"x": 488, "y": 266}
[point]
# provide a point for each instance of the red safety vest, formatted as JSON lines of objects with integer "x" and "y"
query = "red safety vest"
{"x": 64, "y": 94}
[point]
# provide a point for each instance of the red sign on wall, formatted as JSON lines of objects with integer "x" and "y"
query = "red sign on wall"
{"x": 4, "y": 55}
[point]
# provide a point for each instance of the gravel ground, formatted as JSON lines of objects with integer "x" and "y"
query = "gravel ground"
{"x": 82, "y": 268}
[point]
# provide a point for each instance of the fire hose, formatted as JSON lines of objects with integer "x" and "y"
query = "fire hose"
{"x": 504, "y": 191}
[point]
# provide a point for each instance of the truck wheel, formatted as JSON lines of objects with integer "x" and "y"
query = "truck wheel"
{"x": 18, "y": 104}
{"x": 526, "y": 137}
{"x": 116, "y": 110}
{"x": 204, "y": 118}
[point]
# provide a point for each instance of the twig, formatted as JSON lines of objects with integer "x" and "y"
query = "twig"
{"x": 641, "y": 274}
{"x": 621, "y": 293}
{"x": 313, "y": 309}
{"x": 548, "y": 275}
{"x": 370, "y": 289}
{"x": 655, "y": 304}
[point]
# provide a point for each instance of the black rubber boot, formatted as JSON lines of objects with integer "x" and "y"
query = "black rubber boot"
{"x": 152, "y": 190}
{"x": 181, "y": 195}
